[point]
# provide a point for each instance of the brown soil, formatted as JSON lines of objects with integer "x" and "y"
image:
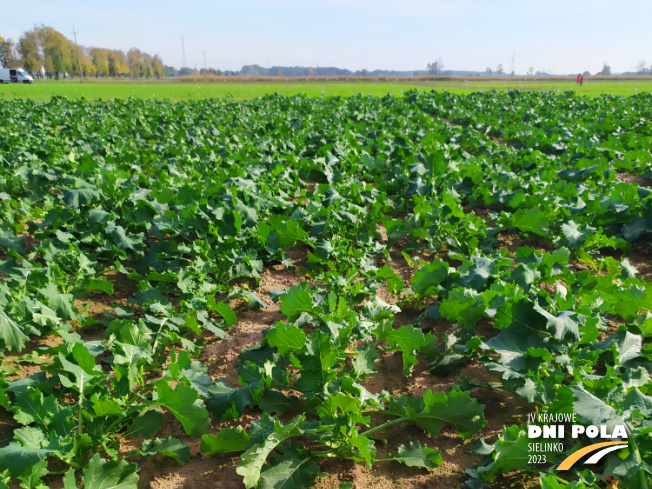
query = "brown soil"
{"x": 482, "y": 211}
{"x": 221, "y": 357}
{"x": 640, "y": 181}
{"x": 513, "y": 241}
{"x": 28, "y": 368}
{"x": 640, "y": 257}
{"x": 96, "y": 304}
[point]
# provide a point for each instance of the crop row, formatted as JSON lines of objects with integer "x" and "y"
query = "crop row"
{"x": 189, "y": 203}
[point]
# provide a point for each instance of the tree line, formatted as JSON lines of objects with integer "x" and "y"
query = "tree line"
{"x": 46, "y": 48}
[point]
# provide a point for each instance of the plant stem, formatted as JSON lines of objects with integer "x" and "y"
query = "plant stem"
{"x": 157, "y": 335}
{"x": 560, "y": 479}
{"x": 323, "y": 453}
{"x": 79, "y": 417}
{"x": 385, "y": 425}
{"x": 126, "y": 415}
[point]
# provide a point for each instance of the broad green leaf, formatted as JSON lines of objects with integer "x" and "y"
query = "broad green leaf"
{"x": 427, "y": 278}
{"x": 512, "y": 343}
{"x": 593, "y": 410}
{"x": 637, "y": 228}
{"x": 83, "y": 377}
{"x": 365, "y": 447}
{"x": 69, "y": 479}
{"x": 462, "y": 305}
{"x": 227, "y": 440}
{"x": 574, "y": 237}
{"x": 511, "y": 450}
{"x": 339, "y": 404}
{"x": 99, "y": 284}
{"x": 228, "y": 403}
{"x": 551, "y": 481}
{"x": 394, "y": 283}
{"x": 227, "y": 313}
{"x": 417, "y": 455}
{"x": 432, "y": 410}
{"x": 120, "y": 237}
{"x": 530, "y": 221}
{"x": 295, "y": 301}
{"x": 255, "y": 302}
{"x": 62, "y": 304}
{"x": 30, "y": 437}
{"x": 408, "y": 339}
{"x": 184, "y": 403}
{"x": 107, "y": 407}
{"x": 289, "y": 232}
{"x": 77, "y": 197}
{"x": 100, "y": 474}
{"x": 363, "y": 363}
{"x": 286, "y": 339}
{"x": 629, "y": 346}
{"x": 476, "y": 273}
{"x": 169, "y": 447}
{"x": 147, "y": 423}
{"x": 561, "y": 325}
{"x": 274, "y": 401}
{"x": 11, "y": 333}
{"x": 252, "y": 460}
{"x": 289, "y": 471}
{"x": 84, "y": 359}
{"x": 31, "y": 478}
{"x": 17, "y": 458}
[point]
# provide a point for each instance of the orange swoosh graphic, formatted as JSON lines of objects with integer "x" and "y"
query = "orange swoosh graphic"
{"x": 571, "y": 459}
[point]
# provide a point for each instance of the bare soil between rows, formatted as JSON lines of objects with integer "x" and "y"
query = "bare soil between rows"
{"x": 221, "y": 357}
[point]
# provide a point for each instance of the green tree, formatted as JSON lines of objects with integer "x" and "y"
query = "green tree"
{"x": 87, "y": 66}
{"x": 100, "y": 59}
{"x": 606, "y": 70}
{"x": 45, "y": 46}
{"x": 58, "y": 51}
{"x": 118, "y": 63}
{"x": 135, "y": 61}
{"x": 30, "y": 51}
{"x": 146, "y": 66}
{"x": 158, "y": 67}
{"x": 9, "y": 57}
{"x": 499, "y": 69}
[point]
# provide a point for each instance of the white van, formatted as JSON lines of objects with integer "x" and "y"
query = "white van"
{"x": 14, "y": 75}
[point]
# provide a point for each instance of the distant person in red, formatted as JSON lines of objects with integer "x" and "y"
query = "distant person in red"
{"x": 580, "y": 79}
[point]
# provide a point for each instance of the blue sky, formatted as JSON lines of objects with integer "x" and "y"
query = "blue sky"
{"x": 558, "y": 36}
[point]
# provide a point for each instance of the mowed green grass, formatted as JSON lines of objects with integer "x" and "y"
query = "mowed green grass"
{"x": 189, "y": 91}
{"x": 174, "y": 90}
{"x": 590, "y": 87}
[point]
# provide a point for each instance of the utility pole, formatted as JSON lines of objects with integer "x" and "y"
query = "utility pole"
{"x": 183, "y": 52}
{"x": 81, "y": 77}
{"x": 205, "y": 67}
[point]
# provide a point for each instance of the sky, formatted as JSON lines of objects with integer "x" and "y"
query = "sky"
{"x": 555, "y": 36}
